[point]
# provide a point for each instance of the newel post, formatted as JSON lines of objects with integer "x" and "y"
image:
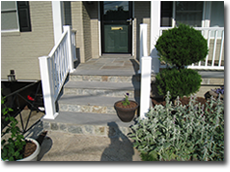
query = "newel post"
{"x": 47, "y": 88}
{"x": 146, "y": 63}
{"x": 70, "y": 52}
{"x": 143, "y": 43}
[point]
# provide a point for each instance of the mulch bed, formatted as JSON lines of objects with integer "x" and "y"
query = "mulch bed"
{"x": 29, "y": 148}
{"x": 184, "y": 101}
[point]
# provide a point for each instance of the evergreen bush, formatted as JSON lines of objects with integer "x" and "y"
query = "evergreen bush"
{"x": 180, "y": 83}
{"x": 181, "y": 46}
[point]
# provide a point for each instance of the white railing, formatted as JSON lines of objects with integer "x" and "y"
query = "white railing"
{"x": 54, "y": 69}
{"x": 73, "y": 37}
{"x": 145, "y": 70}
{"x": 215, "y": 41}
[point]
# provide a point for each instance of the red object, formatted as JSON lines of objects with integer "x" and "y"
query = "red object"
{"x": 30, "y": 98}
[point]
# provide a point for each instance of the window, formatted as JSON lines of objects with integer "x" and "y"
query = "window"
{"x": 166, "y": 13}
{"x": 15, "y": 16}
{"x": 189, "y": 12}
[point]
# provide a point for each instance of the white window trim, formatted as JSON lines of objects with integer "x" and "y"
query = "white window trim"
{"x": 16, "y": 10}
{"x": 204, "y": 23}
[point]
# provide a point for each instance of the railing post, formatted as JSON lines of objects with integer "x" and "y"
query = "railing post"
{"x": 47, "y": 88}
{"x": 143, "y": 43}
{"x": 145, "y": 85}
{"x": 70, "y": 57}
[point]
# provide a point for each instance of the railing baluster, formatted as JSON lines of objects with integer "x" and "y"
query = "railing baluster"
{"x": 221, "y": 48}
{"x": 208, "y": 42}
{"x": 214, "y": 48}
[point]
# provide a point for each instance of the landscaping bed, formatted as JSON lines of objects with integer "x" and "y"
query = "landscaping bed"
{"x": 184, "y": 101}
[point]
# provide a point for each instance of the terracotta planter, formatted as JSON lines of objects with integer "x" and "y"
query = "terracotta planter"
{"x": 126, "y": 114}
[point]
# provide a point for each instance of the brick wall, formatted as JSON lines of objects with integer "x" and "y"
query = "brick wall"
{"x": 20, "y": 51}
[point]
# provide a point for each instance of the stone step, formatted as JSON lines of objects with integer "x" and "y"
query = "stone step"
{"x": 104, "y": 77}
{"x": 88, "y": 124}
{"x": 88, "y": 104}
{"x": 102, "y": 88}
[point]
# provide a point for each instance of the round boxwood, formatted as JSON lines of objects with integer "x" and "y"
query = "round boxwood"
{"x": 182, "y": 46}
{"x": 179, "y": 82}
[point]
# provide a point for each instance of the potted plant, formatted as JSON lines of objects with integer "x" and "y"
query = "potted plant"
{"x": 16, "y": 147}
{"x": 126, "y": 108}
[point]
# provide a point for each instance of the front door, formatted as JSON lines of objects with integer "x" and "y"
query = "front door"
{"x": 116, "y": 26}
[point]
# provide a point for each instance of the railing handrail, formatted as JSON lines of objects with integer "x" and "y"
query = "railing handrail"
{"x": 209, "y": 33}
{"x": 57, "y": 45}
{"x": 54, "y": 69}
{"x": 197, "y": 28}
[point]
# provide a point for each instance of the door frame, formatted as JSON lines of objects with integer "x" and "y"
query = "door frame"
{"x": 101, "y": 30}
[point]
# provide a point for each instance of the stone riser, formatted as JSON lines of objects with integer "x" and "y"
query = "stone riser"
{"x": 106, "y": 93}
{"x": 93, "y": 130}
{"x": 114, "y": 79}
{"x": 87, "y": 109}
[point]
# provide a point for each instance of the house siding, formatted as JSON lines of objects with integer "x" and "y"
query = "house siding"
{"x": 77, "y": 24}
{"x": 86, "y": 31}
{"x": 20, "y": 50}
{"x": 141, "y": 15}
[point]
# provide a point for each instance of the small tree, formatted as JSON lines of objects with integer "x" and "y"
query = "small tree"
{"x": 182, "y": 46}
{"x": 180, "y": 83}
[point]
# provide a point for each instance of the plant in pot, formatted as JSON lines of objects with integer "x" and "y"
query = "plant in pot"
{"x": 126, "y": 108}
{"x": 180, "y": 47}
{"x": 16, "y": 147}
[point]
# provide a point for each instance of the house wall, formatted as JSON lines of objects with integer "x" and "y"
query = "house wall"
{"x": 141, "y": 15}
{"x": 20, "y": 50}
{"x": 85, "y": 22}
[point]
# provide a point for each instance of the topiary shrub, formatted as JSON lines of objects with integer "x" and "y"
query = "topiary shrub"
{"x": 181, "y": 46}
{"x": 180, "y": 83}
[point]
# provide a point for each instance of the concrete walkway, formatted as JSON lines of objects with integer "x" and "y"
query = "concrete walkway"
{"x": 59, "y": 146}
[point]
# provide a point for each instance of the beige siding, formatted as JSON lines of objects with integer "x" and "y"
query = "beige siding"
{"x": 141, "y": 15}
{"x": 85, "y": 22}
{"x": 20, "y": 51}
{"x": 86, "y": 31}
{"x": 93, "y": 12}
{"x": 76, "y": 11}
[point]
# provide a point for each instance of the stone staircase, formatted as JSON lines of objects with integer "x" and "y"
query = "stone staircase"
{"x": 87, "y": 104}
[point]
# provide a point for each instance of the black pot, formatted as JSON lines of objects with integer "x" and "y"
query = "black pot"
{"x": 126, "y": 114}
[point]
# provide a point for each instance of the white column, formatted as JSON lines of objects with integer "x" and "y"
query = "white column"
{"x": 145, "y": 86}
{"x": 155, "y": 26}
{"x": 47, "y": 88}
{"x": 70, "y": 60}
{"x": 57, "y": 11}
{"x": 143, "y": 43}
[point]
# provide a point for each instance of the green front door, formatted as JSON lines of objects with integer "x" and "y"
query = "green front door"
{"x": 116, "y": 26}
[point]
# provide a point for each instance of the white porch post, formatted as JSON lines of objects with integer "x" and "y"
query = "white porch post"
{"x": 67, "y": 28}
{"x": 57, "y": 11}
{"x": 145, "y": 86}
{"x": 47, "y": 88}
{"x": 155, "y": 26}
{"x": 143, "y": 43}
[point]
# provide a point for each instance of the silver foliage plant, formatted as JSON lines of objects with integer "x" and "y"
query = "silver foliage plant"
{"x": 182, "y": 133}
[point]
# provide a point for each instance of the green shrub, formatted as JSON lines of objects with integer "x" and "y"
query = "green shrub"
{"x": 181, "y": 133}
{"x": 180, "y": 83}
{"x": 13, "y": 147}
{"x": 181, "y": 46}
